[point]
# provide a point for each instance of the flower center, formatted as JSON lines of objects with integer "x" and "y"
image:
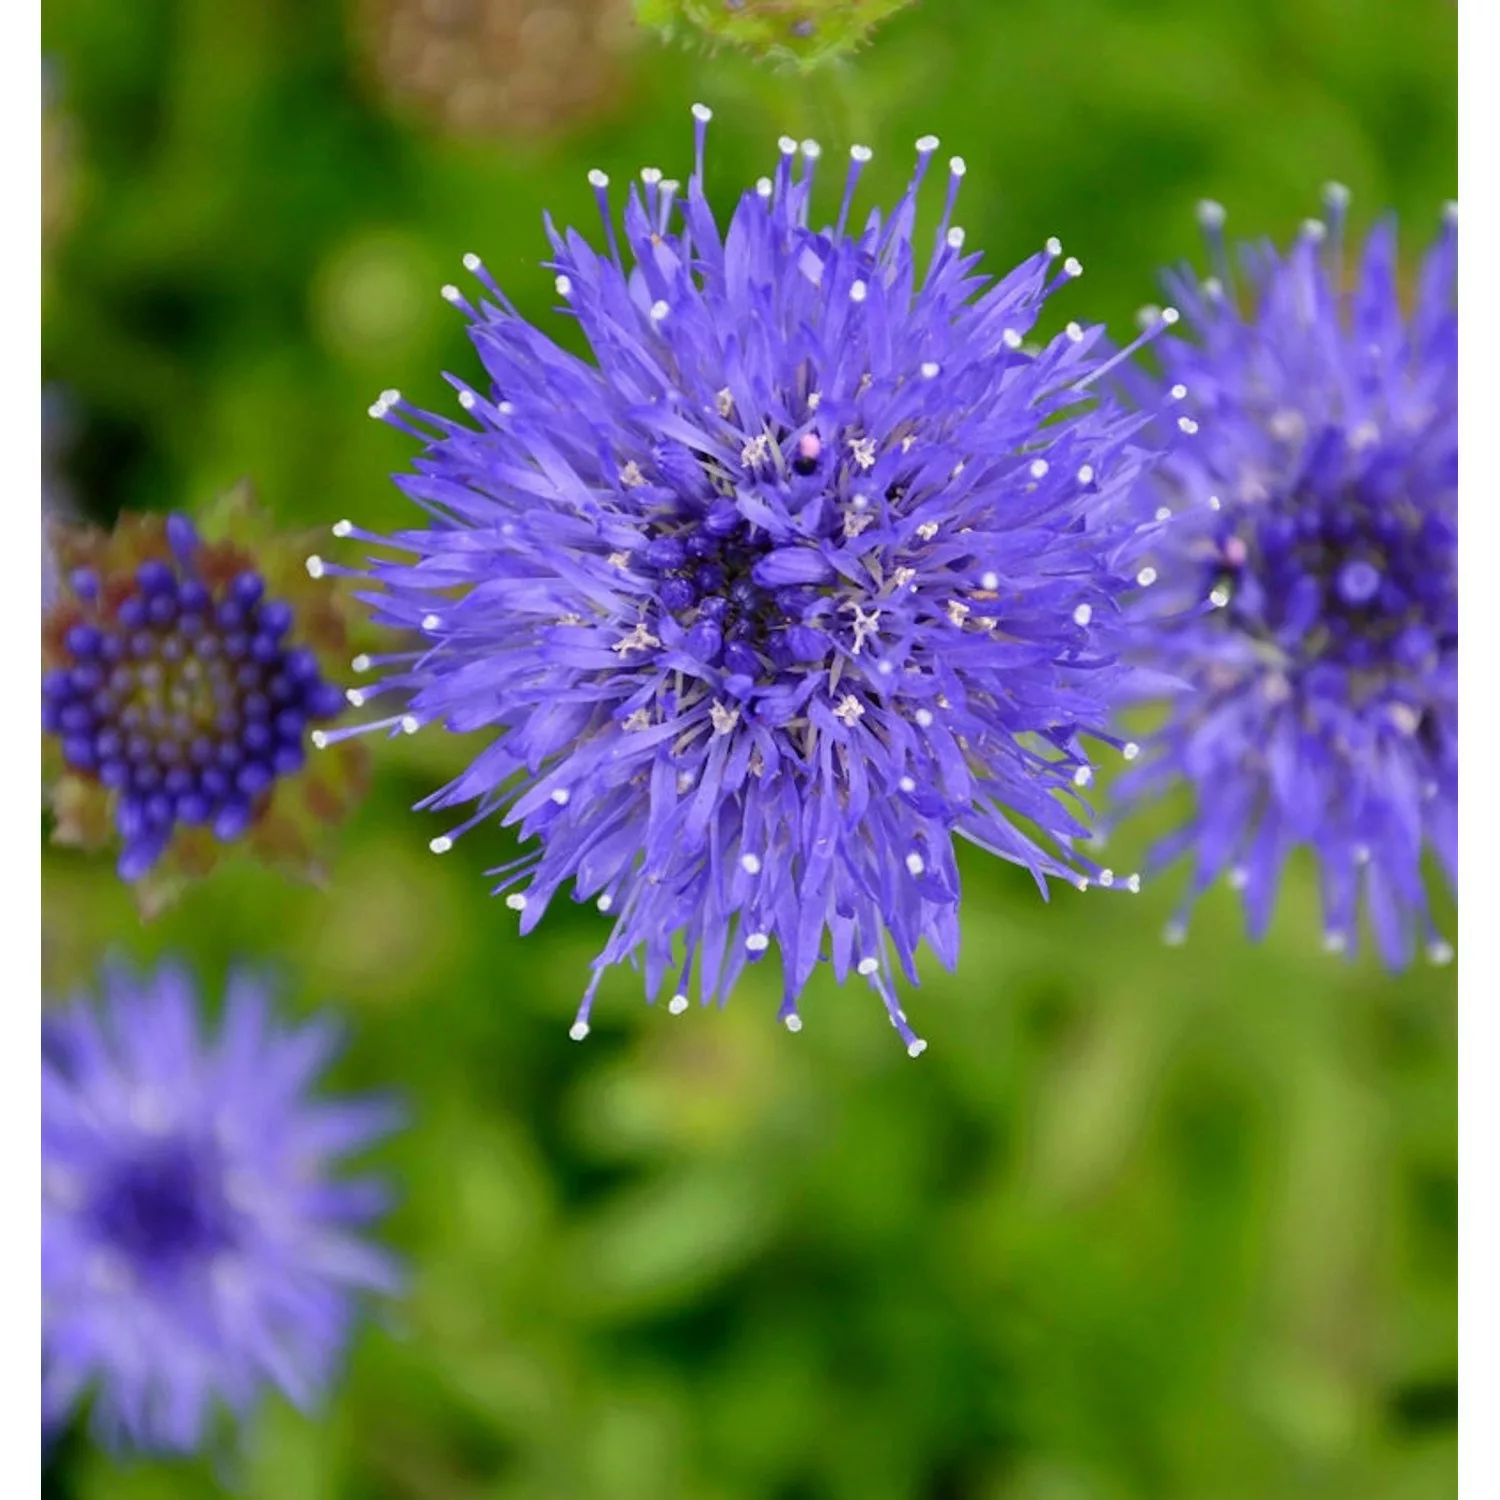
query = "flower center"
{"x": 161, "y": 1208}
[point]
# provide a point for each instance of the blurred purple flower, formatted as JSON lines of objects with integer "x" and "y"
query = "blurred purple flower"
{"x": 817, "y": 567}
{"x": 197, "y": 1246}
{"x": 1309, "y": 585}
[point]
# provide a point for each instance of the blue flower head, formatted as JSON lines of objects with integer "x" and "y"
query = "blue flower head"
{"x": 1309, "y": 578}
{"x": 817, "y": 564}
{"x": 197, "y": 1246}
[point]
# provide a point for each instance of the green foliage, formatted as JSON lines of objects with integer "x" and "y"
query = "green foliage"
{"x": 1143, "y": 1223}
{"x": 805, "y": 33}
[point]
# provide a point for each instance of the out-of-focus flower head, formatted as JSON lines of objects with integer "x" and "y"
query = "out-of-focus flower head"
{"x": 1308, "y": 582}
{"x": 199, "y": 1245}
{"x": 519, "y": 68}
{"x": 181, "y": 680}
{"x": 805, "y": 33}
{"x": 816, "y": 567}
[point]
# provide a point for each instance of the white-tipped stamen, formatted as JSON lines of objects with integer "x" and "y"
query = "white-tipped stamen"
{"x": 764, "y": 187}
{"x": 915, "y": 864}
{"x": 1039, "y": 467}
{"x": 811, "y": 150}
{"x": 1219, "y": 598}
{"x": 1439, "y": 952}
{"x": 355, "y": 697}
{"x": 955, "y": 238}
{"x": 342, "y": 528}
{"x": 1169, "y": 315}
{"x": 605, "y": 902}
{"x": 1211, "y": 215}
{"x": 516, "y": 901}
{"x": 916, "y": 1047}
{"x": 441, "y": 844}
{"x": 410, "y": 724}
{"x": 659, "y": 310}
{"x": 786, "y": 145}
{"x": 1086, "y": 474}
{"x": 1174, "y": 934}
{"x": 793, "y": 1022}
{"x": 1315, "y": 230}
{"x": 564, "y": 285}
{"x": 361, "y": 663}
{"x": 1133, "y": 885}
{"x": 471, "y": 261}
{"x": 750, "y": 864}
{"x": 1179, "y": 392}
{"x": 860, "y": 154}
{"x": 1335, "y": 942}
{"x": 561, "y": 795}
{"x": 907, "y": 784}
{"x": 989, "y": 581}
{"x": 677, "y": 1004}
{"x": 319, "y": 739}
{"x": 315, "y": 566}
{"x": 431, "y": 622}
{"x": 868, "y": 965}
{"x": 923, "y": 716}
{"x": 858, "y": 291}
{"x": 451, "y": 293}
{"x": 1083, "y": 614}
{"x": 1188, "y": 425}
{"x": 702, "y": 113}
{"x": 930, "y": 370}
{"x": 1130, "y": 750}
{"x": 578, "y": 1030}
{"x": 1106, "y": 878}
{"x": 467, "y": 400}
{"x": 1237, "y": 878}
{"x": 1054, "y": 247}
{"x": 1083, "y": 776}
{"x": 758, "y": 942}
{"x": 927, "y": 144}
{"x": 1074, "y": 332}
{"x": 1072, "y": 266}
{"x": 597, "y": 178}
{"x": 1010, "y": 338}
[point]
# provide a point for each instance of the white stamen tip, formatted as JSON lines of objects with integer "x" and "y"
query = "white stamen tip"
{"x": 1169, "y": 315}
{"x": 597, "y": 178}
{"x": 1174, "y": 934}
{"x": 915, "y": 863}
{"x": 315, "y": 566}
{"x": 1334, "y": 942}
{"x": 1011, "y": 339}
{"x": 651, "y": 176}
{"x": 1315, "y": 229}
{"x": 860, "y": 153}
{"x": 471, "y": 262}
{"x": 1163, "y": 512}
{"x": 1083, "y": 614}
{"x": 787, "y": 146}
{"x": 930, "y": 370}
{"x": 750, "y": 864}
{"x": 578, "y": 1030}
{"x": 468, "y": 400}
{"x": 410, "y": 724}
{"x": 1450, "y": 212}
{"x": 564, "y": 285}
{"x": 343, "y": 528}
{"x": 1106, "y": 878}
{"x": 1074, "y": 332}
{"x": 928, "y": 144}
{"x": 955, "y": 238}
{"x": 1130, "y": 750}
{"x": 659, "y": 310}
{"x": 1238, "y": 878}
{"x": 677, "y": 1004}
{"x": 430, "y": 622}
{"x": 516, "y": 901}
{"x": 604, "y": 902}
{"x": 793, "y": 1022}
{"x": 561, "y": 795}
{"x": 355, "y": 697}
{"x": 1086, "y": 474}
{"x": 1211, "y": 215}
{"x": 811, "y": 150}
{"x": 1072, "y": 266}
{"x": 1214, "y": 502}
{"x": 1439, "y": 952}
{"x": 1039, "y": 468}
{"x": 1133, "y": 885}
{"x": 758, "y": 942}
{"x": 1188, "y": 425}
{"x": 764, "y": 187}
{"x": 923, "y": 716}
{"x": 1179, "y": 392}
{"x": 989, "y": 580}
{"x": 702, "y": 112}
{"x": 916, "y": 1047}
{"x": 1336, "y": 195}
{"x": 858, "y": 291}
{"x": 319, "y": 739}
{"x": 868, "y": 965}
{"x": 957, "y": 165}
{"x": 441, "y": 844}
{"x": 451, "y": 293}
{"x": 906, "y": 784}
{"x": 1083, "y": 776}
{"x": 1054, "y": 247}
{"x": 361, "y": 663}
{"x": 1219, "y": 598}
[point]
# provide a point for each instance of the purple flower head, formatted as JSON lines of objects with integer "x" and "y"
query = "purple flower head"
{"x": 197, "y": 1246}
{"x": 1309, "y": 581}
{"x": 182, "y": 678}
{"x": 815, "y": 566}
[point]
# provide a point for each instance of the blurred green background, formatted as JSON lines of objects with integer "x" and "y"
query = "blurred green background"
{"x": 1176, "y": 1224}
